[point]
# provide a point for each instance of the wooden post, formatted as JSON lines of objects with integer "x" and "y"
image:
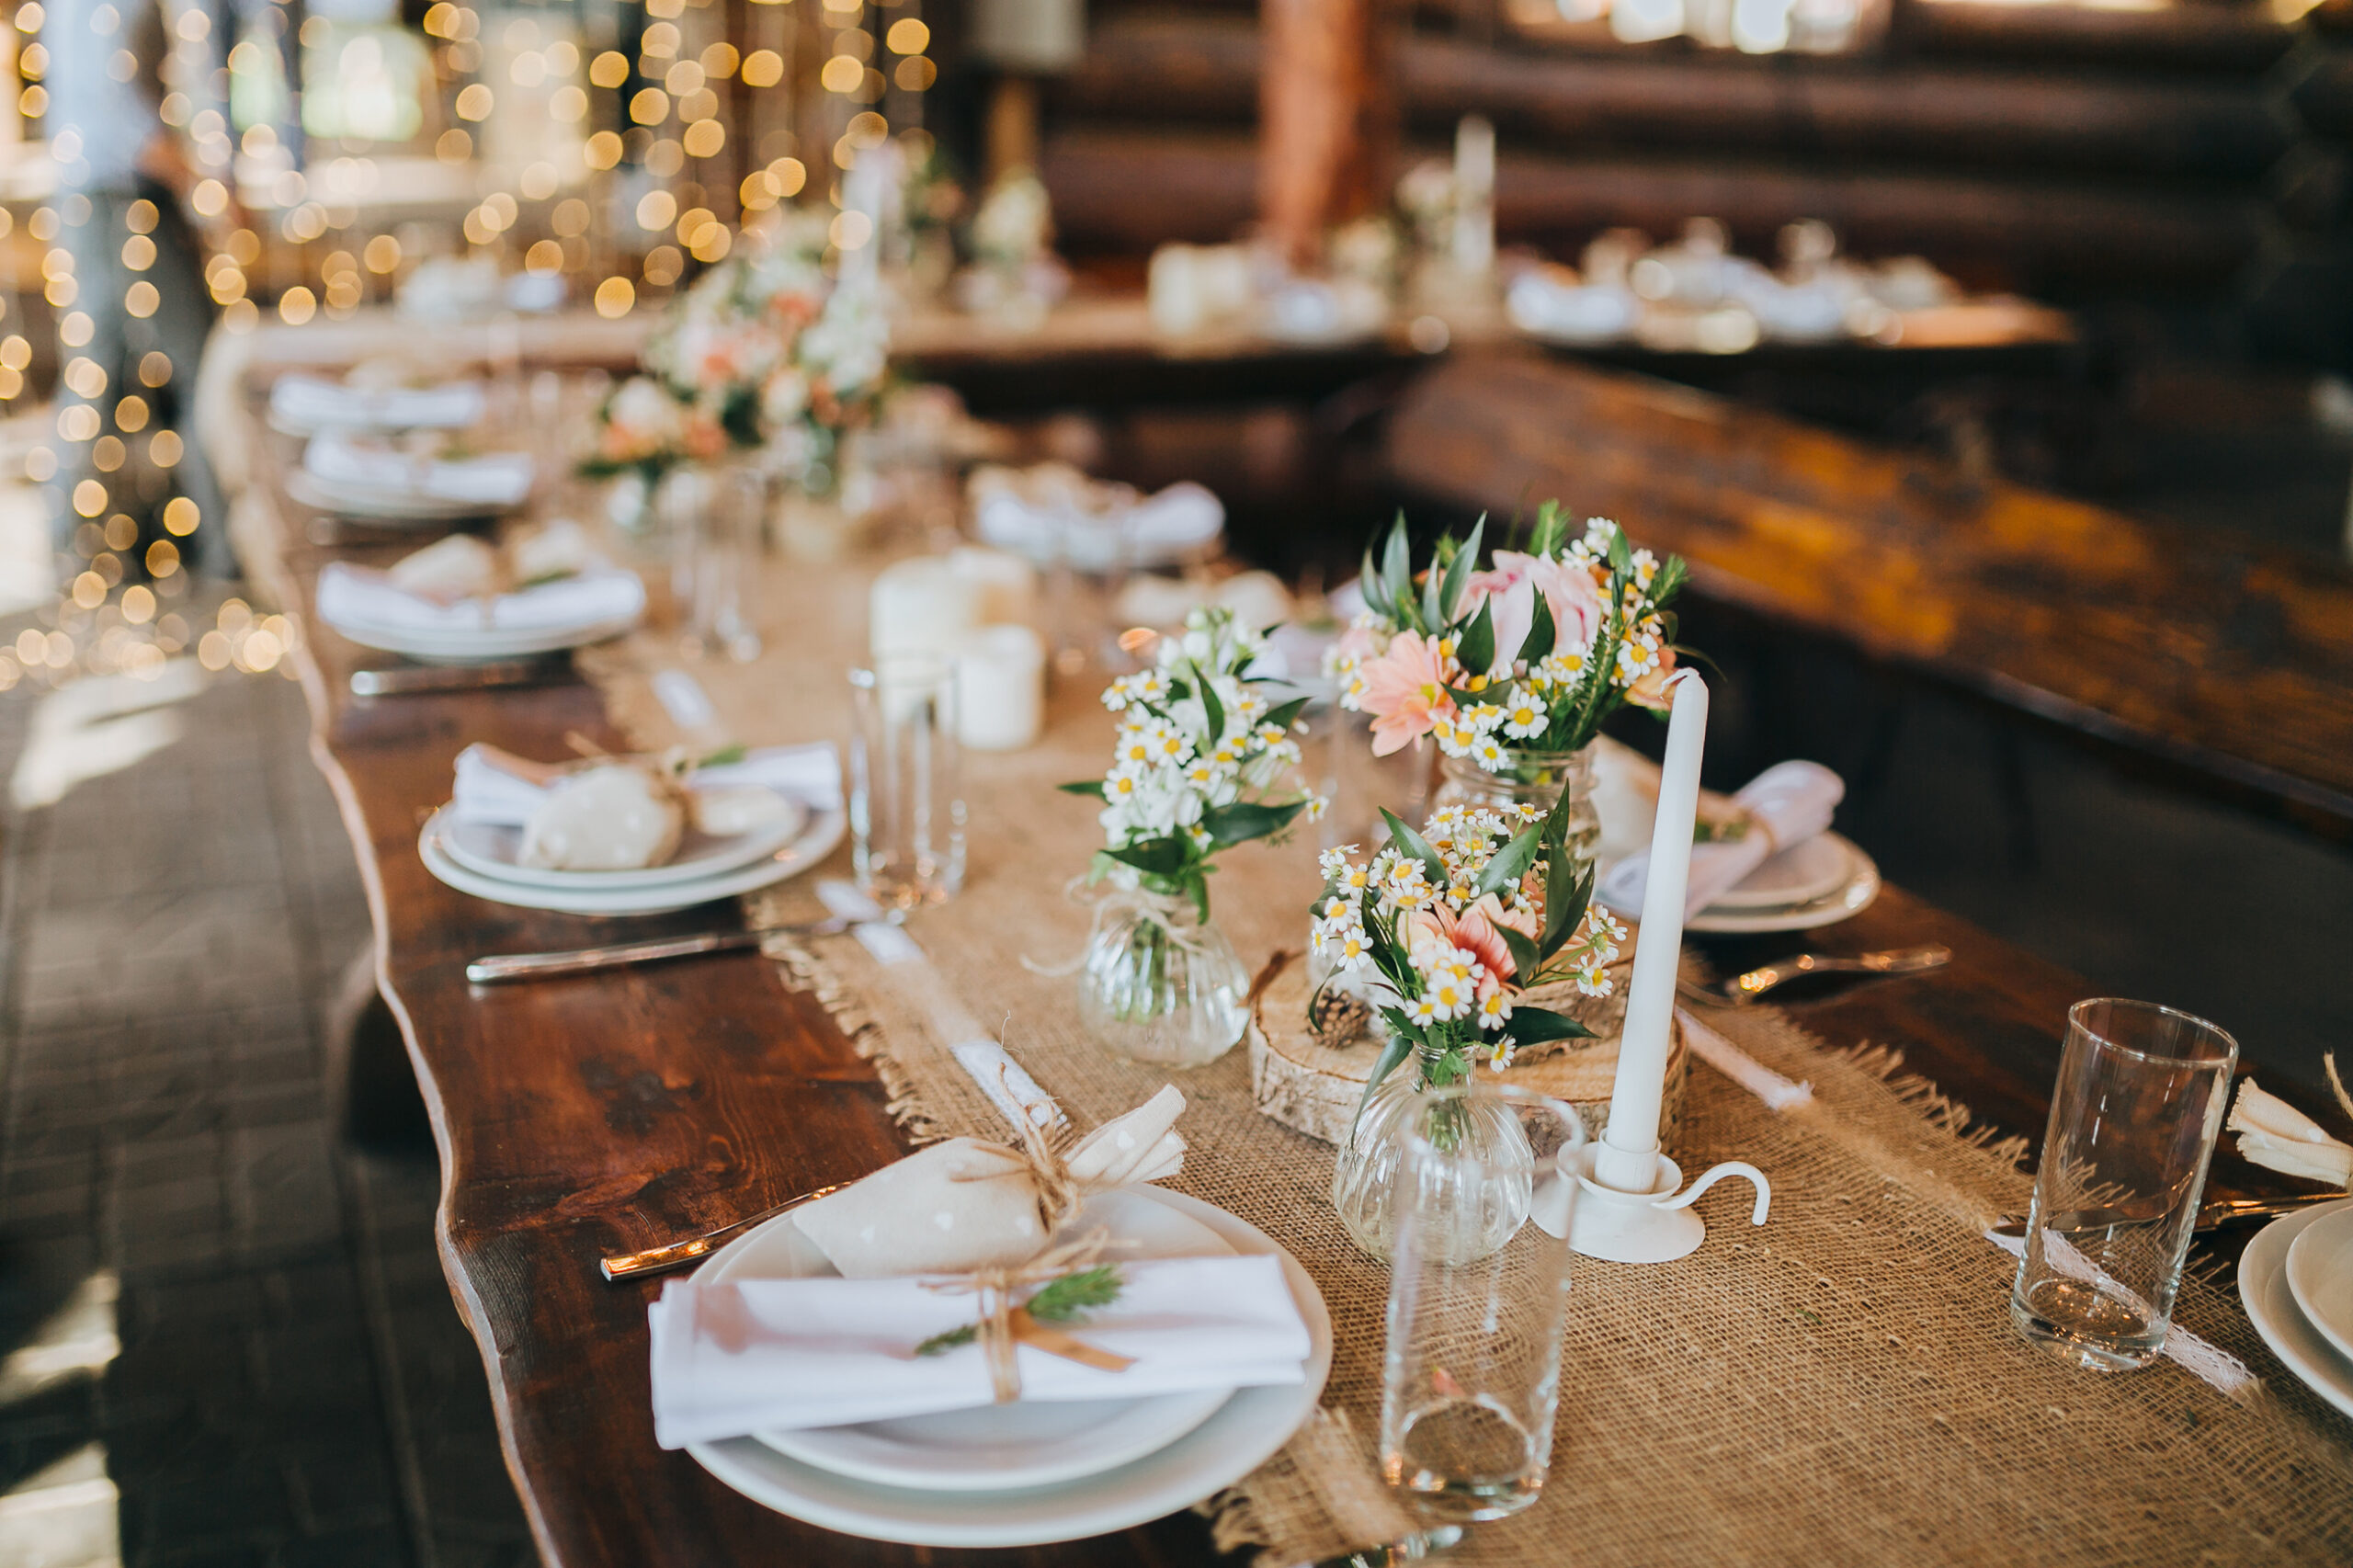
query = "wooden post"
{"x": 1328, "y": 107}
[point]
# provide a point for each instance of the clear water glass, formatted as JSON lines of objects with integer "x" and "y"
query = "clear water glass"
{"x": 1470, "y": 1381}
{"x": 906, "y": 809}
{"x": 718, "y": 523}
{"x": 2140, "y": 1101}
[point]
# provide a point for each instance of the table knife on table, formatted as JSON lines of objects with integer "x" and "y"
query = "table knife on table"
{"x": 404, "y": 680}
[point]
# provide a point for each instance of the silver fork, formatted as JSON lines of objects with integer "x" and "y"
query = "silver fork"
{"x": 1742, "y": 989}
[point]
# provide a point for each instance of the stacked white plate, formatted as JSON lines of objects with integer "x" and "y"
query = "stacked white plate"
{"x": 480, "y": 858}
{"x": 1816, "y": 883}
{"x": 1026, "y": 1474}
{"x": 552, "y": 616}
{"x": 2296, "y": 1279}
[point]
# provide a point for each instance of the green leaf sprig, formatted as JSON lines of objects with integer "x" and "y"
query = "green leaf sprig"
{"x": 1059, "y": 1301}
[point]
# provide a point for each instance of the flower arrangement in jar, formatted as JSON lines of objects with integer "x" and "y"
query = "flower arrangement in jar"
{"x": 1196, "y": 769}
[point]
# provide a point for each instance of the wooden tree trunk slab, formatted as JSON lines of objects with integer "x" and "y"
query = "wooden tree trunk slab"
{"x": 1314, "y": 1088}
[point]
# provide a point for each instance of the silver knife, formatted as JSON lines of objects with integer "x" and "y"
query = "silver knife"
{"x": 403, "y": 680}
{"x": 1419, "y": 1546}
{"x": 2217, "y": 1212}
{"x": 494, "y": 968}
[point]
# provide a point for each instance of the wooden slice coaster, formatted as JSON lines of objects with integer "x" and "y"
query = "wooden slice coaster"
{"x": 1313, "y": 1086}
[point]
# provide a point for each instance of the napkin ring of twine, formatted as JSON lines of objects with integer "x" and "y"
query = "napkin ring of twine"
{"x": 1120, "y": 903}
{"x": 1006, "y": 1323}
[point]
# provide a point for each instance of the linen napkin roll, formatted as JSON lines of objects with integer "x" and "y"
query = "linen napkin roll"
{"x": 1051, "y": 516}
{"x": 1786, "y": 804}
{"x": 309, "y": 403}
{"x": 486, "y": 792}
{"x": 965, "y": 1204}
{"x": 356, "y": 599}
{"x": 771, "y": 1355}
{"x": 495, "y": 481}
{"x": 2276, "y": 1135}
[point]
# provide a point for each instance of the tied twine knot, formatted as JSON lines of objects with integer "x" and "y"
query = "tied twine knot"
{"x": 1164, "y": 910}
{"x": 1006, "y": 1323}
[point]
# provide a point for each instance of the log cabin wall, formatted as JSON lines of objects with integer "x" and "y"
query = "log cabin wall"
{"x": 2194, "y": 151}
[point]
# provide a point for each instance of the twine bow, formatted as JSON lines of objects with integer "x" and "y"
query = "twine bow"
{"x": 1006, "y": 1323}
{"x": 1059, "y": 1191}
{"x": 1119, "y": 903}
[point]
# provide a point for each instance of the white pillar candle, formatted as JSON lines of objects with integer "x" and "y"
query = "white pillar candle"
{"x": 921, "y": 606}
{"x": 1008, "y": 584}
{"x": 1626, "y": 1158}
{"x": 1474, "y": 194}
{"x": 1000, "y": 687}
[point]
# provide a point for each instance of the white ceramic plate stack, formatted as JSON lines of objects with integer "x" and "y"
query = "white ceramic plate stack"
{"x": 480, "y": 858}
{"x": 1026, "y": 1474}
{"x": 1816, "y": 883}
{"x": 2296, "y": 1279}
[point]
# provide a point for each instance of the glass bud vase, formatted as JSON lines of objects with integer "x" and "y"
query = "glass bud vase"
{"x": 1160, "y": 984}
{"x": 1529, "y": 778}
{"x": 1486, "y": 1134}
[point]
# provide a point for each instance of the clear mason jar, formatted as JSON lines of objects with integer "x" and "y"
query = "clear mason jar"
{"x": 1486, "y": 1135}
{"x": 1160, "y": 984}
{"x": 1529, "y": 778}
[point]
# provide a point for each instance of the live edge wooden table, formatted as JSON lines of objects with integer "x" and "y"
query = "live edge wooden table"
{"x": 579, "y": 1117}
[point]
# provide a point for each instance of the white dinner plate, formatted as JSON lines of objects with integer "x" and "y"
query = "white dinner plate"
{"x": 386, "y": 506}
{"x": 472, "y": 645}
{"x": 816, "y": 840}
{"x": 2263, "y": 1287}
{"x": 1807, "y": 871}
{"x": 2320, "y": 1276}
{"x": 1856, "y": 886}
{"x": 490, "y": 849}
{"x": 996, "y": 1448}
{"x": 1244, "y": 1433}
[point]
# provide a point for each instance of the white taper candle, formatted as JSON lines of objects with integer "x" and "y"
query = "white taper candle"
{"x": 1627, "y": 1156}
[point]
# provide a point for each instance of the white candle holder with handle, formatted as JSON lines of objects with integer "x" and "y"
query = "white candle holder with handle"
{"x": 1628, "y": 1209}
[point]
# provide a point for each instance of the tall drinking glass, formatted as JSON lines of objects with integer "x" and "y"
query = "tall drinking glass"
{"x": 2139, "y": 1100}
{"x": 907, "y": 815}
{"x": 1472, "y": 1380}
{"x": 719, "y": 525}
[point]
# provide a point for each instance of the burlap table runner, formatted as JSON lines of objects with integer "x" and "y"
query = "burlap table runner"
{"x": 1840, "y": 1386}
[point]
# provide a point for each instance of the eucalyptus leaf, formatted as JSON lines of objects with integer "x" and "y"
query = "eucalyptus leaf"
{"x": 1286, "y": 715}
{"x": 1242, "y": 821}
{"x": 1393, "y": 1052}
{"x": 1397, "y": 570}
{"x": 1525, "y": 960}
{"x": 1155, "y": 856}
{"x": 1092, "y": 787}
{"x": 1511, "y": 862}
{"x": 1541, "y": 633}
{"x": 1478, "y": 648}
{"x": 1458, "y": 574}
{"x": 1210, "y": 705}
{"x": 1534, "y": 1025}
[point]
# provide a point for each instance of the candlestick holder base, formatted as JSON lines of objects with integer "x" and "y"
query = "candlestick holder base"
{"x": 1653, "y": 1226}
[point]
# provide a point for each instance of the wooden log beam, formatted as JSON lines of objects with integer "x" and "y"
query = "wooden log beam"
{"x": 1206, "y": 69}
{"x": 2228, "y": 657}
{"x": 1124, "y": 190}
{"x": 1327, "y": 118}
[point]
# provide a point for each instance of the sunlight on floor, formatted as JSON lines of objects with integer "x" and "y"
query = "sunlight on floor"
{"x": 101, "y": 724}
{"x": 65, "y": 1514}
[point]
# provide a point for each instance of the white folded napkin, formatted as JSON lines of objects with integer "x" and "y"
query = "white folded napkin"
{"x": 495, "y": 481}
{"x": 355, "y": 598}
{"x": 2276, "y": 1135}
{"x": 309, "y": 403}
{"x": 964, "y": 1204}
{"x": 486, "y": 792}
{"x": 1544, "y": 301}
{"x": 1786, "y": 804}
{"x": 788, "y": 1353}
{"x": 1098, "y": 528}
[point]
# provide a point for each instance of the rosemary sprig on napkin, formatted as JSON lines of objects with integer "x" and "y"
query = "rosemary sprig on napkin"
{"x": 1058, "y": 1302}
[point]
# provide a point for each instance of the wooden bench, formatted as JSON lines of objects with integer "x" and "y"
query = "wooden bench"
{"x": 2229, "y": 657}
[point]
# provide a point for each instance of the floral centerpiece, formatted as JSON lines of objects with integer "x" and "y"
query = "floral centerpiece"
{"x": 762, "y": 355}
{"x": 1511, "y": 668}
{"x": 1456, "y": 926}
{"x": 1195, "y": 769}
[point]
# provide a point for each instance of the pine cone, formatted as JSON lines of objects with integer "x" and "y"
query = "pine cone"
{"x": 1337, "y": 1017}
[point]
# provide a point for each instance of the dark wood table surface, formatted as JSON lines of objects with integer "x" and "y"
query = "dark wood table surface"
{"x": 580, "y": 1116}
{"x": 2224, "y": 655}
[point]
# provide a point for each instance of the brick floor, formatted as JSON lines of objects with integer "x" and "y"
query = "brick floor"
{"x": 224, "y": 1335}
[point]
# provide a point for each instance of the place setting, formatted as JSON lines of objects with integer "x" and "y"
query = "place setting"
{"x": 2296, "y": 1277}
{"x": 538, "y": 589}
{"x": 415, "y": 479}
{"x": 612, "y": 835}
